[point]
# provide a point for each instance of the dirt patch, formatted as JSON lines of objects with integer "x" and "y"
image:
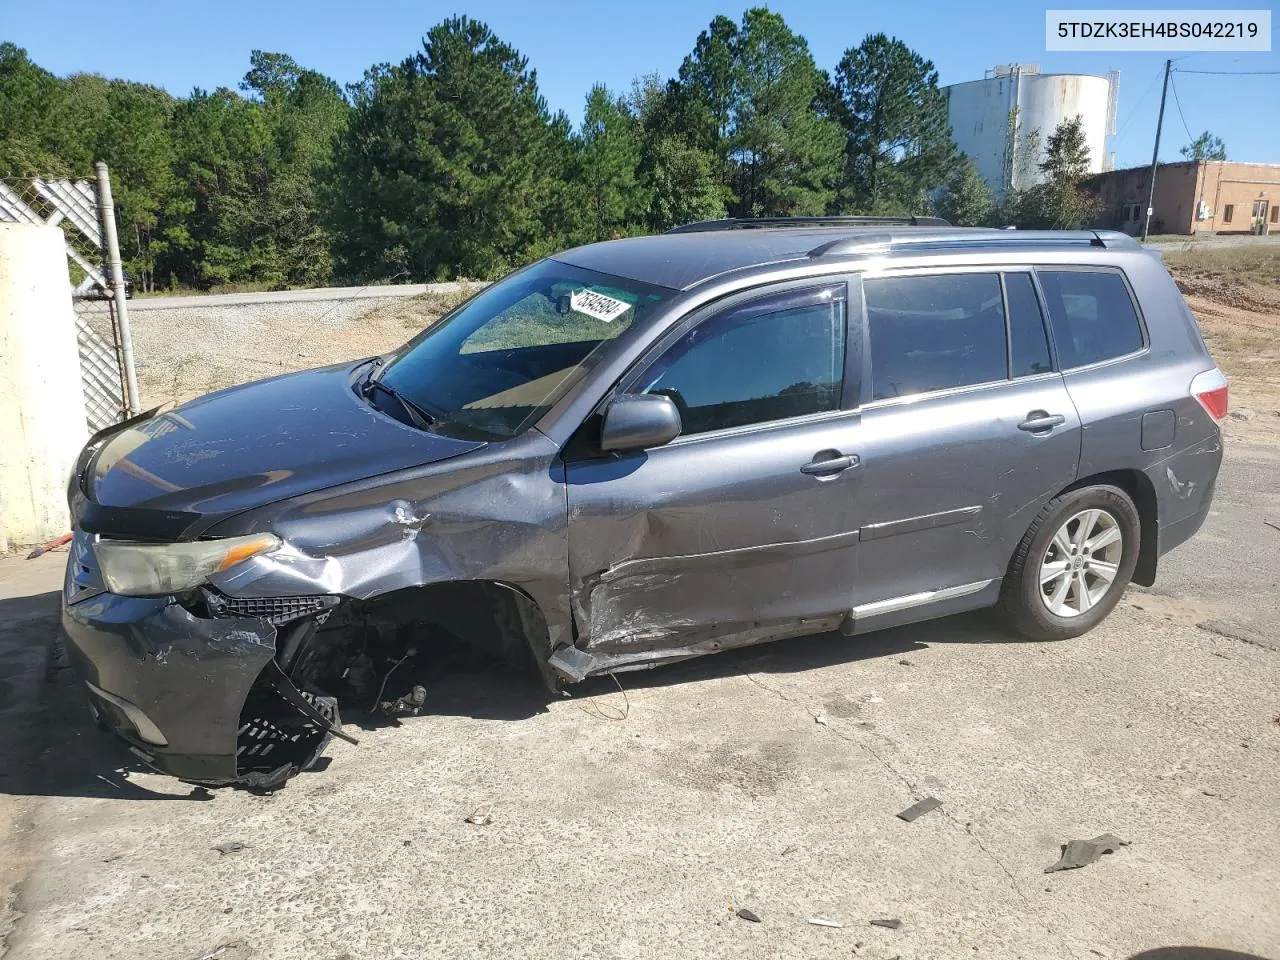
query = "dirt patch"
{"x": 1235, "y": 296}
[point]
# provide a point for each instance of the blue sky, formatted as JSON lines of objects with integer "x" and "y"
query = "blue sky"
{"x": 573, "y": 44}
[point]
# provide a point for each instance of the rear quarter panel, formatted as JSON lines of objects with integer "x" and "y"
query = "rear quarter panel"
{"x": 1113, "y": 397}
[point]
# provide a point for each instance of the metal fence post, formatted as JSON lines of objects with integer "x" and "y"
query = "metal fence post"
{"x": 107, "y": 216}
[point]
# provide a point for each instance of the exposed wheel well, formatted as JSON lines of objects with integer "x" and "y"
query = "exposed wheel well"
{"x": 376, "y": 655}
{"x": 1143, "y": 494}
{"x": 496, "y": 619}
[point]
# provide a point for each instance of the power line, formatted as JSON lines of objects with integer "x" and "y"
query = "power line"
{"x": 1181, "y": 115}
{"x": 1235, "y": 73}
{"x": 1133, "y": 112}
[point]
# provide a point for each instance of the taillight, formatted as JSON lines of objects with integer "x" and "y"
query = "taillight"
{"x": 1210, "y": 388}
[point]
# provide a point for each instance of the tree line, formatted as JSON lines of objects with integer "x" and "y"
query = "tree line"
{"x": 450, "y": 163}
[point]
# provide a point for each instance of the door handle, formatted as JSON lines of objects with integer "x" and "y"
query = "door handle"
{"x": 1040, "y": 422}
{"x": 836, "y": 464}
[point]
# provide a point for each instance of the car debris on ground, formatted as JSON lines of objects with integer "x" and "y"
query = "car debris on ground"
{"x": 481, "y": 816}
{"x": 407, "y": 705}
{"x": 745, "y": 914}
{"x": 917, "y": 810}
{"x": 821, "y": 922}
{"x": 889, "y": 923}
{"x": 230, "y": 846}
{"x": 1081, "y": 853}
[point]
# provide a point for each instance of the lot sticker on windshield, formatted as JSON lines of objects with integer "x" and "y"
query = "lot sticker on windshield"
{"x": 597, "y": 305}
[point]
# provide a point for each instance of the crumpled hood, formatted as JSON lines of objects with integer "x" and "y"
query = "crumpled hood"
{"x": 259, "y": 443}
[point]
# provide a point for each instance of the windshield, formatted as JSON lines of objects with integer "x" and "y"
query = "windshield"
{"x": 491, "y": 368}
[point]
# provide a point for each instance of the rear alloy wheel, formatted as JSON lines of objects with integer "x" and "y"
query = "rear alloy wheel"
{"x": 1074, "y": 563}
{"x": 1081, "y": 563}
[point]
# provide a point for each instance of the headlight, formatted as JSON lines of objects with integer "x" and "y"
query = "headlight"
{"x": 153, "y": 569}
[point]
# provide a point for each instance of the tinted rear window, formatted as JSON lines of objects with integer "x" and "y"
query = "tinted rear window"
{"x": 1028, "y": 345}
{"x": 933, "y": 333}
{"x": 1093, "y": 315}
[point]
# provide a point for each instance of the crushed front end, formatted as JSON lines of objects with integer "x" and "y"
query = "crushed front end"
{"x": 193, "y": 682}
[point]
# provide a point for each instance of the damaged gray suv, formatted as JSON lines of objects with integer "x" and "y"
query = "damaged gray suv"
{"x": 640, "y": 451}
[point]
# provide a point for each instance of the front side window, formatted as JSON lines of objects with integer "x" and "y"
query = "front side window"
{"x": 1092, "y": 314}
{"x": 767, "y": 360}
{"x": 935, "y": 332}
{"x": 498, "y": 363}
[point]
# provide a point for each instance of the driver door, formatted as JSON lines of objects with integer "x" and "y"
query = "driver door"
{"x": 744, "y": 527}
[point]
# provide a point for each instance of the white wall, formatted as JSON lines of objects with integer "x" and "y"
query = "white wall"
{"x": 42, "y": 411}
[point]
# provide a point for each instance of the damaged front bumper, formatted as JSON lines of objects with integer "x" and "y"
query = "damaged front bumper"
{"x": 199, "y": 697}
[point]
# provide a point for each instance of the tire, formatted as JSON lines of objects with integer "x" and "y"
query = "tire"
{"x": 1078, "y": 598}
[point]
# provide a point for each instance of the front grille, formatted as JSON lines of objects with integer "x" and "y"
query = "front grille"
{"x": 276, "y": 610}
{"x": 276, "y": 740}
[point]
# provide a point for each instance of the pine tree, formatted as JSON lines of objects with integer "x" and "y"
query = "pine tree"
{"x": 608, "y": 164}
{"x": 1059, "y": 201}
{"x": 1063, "y": 203}
{"x": 37, "y": 134}
{"x": 965, "y": 201}
{"x": 787, "y": 152}
{"x": 751, "y": 95}
{"x": 1205, "y": 147}
{"x": 707, "y": 94}
{"x": 451, "y": 165}
{"x": 899, "y": 145}
{"x": 304, "y": 112}
{"x": 681, "y": 178}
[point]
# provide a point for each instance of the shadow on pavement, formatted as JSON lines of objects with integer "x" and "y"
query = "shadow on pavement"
{"x": 49, "y": 746}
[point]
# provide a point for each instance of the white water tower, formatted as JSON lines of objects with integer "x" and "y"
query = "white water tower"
{"x": 983, "y": 114}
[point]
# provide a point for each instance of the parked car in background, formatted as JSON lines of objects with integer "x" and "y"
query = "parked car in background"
{"x": 640, "y": 451}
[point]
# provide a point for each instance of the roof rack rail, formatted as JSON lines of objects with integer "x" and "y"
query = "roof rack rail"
{"x": 849, "y": 246}
{"x": 756, "y": 223}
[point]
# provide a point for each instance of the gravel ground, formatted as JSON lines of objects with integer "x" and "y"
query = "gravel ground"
{"x": 183, "y": 352}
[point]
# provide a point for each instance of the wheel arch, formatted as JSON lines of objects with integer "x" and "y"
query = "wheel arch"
{"x": 1142, "y": 492}
{"x": 496, "y": 615}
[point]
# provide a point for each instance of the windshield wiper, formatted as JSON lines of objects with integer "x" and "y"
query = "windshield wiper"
{"x": 420, "y": 417}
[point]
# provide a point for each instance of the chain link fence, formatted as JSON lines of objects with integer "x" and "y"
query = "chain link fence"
{"x": 73, "y": 206}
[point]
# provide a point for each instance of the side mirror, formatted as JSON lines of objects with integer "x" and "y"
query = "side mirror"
{"x": 636, "y": 421}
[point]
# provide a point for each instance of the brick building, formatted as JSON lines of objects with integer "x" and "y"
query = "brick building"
{"x": 1195, "y": 196}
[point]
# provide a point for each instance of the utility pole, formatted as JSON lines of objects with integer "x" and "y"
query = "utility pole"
{"x": 1155, "y": 153}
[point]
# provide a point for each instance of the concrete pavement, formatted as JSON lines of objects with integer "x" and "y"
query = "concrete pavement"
{"x": 628, "y": 825}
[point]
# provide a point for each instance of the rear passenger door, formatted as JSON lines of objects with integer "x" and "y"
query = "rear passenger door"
{"x": 967, "y": 429}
